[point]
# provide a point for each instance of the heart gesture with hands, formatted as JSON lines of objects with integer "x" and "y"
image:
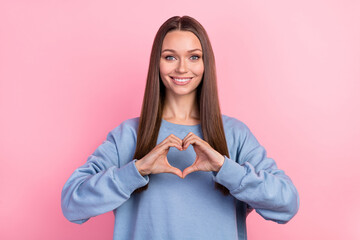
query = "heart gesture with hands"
{"x": 156, "y": 160}
{"x": 207, "y": 159}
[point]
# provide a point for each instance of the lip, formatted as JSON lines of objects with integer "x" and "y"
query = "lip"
{"x": 181, "y": 83}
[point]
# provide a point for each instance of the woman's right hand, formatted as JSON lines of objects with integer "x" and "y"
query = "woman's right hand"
{"x": 156, "y": 160}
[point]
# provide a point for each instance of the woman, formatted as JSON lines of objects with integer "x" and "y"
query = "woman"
{"x": 182, "y": 170}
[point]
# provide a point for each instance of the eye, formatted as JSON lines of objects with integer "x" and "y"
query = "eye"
{"x": 167, "y": 57}
{"x": 196, "y": 57}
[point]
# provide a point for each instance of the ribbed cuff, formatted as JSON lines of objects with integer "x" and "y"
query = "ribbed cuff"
{"x": 230, "y": 174}
{"x": 129, "y": 177}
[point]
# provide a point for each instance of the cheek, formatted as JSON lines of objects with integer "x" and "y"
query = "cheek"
{"x": 198, "y": 69}
{"x": 164, "y": 68}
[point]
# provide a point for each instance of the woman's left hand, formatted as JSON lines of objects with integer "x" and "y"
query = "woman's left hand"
{"x": 207, "y": 158}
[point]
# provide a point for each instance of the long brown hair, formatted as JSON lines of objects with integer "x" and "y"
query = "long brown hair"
{"x": 207, "y": 95}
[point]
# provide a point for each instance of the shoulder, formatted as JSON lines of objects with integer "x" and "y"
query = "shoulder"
{"x": 127, "y": 128}
{"x": 232, "y": 124}
{"x": 239, "y": 135}
{"x": 239, "y": 131}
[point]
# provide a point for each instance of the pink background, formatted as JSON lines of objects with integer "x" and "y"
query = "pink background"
{"x": 70, "y": 71}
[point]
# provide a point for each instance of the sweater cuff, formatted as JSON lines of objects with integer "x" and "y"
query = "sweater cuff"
{"x": 230, "y": 174}
{"x": 129, "y": 178}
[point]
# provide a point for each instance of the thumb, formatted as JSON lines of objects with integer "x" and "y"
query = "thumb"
{"x": 175, "y": 171}
{"x": 189, "y": 170}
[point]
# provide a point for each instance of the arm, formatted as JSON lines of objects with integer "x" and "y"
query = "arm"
{"x": 100, "y": 185}
{"x": 255, "y": 179}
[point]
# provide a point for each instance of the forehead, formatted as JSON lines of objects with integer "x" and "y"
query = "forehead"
{"x": 181, "y": 41}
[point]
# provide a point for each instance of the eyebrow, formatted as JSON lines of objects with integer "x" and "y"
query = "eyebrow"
{"x": 171, "y": 50}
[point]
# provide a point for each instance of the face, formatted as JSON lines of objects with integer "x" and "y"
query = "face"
{"x": 181, "y": 63}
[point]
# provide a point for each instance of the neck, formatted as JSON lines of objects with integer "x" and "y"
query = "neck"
{"x": 181, "y": 108}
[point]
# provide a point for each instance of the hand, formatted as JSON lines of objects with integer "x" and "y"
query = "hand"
{"x": 207, "y": 159}
{"x": 156, "y": 160}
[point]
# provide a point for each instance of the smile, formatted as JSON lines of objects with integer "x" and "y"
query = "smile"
{"x": 181, "y": 81}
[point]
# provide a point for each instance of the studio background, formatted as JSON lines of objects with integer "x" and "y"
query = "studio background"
{"x": 71, "y": 71}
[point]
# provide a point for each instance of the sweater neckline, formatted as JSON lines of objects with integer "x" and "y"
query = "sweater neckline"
{"x": 181, "y": 126}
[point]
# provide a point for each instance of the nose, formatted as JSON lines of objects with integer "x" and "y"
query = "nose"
{"x": 182, "y": 67}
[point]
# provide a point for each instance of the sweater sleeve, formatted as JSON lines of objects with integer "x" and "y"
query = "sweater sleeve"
{"x": 255, "y": 179}
{"x": 100, "y": 185}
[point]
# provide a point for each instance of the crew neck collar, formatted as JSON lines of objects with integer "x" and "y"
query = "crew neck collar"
{"x": 181, "y": 126}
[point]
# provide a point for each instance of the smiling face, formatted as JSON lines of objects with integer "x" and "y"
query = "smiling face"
{"x": 181, "y": 63}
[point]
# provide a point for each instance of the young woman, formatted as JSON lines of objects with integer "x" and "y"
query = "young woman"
{"x": 182, "y": 170}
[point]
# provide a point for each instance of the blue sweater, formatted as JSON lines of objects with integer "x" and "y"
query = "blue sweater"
{"x": 175, "y": 208}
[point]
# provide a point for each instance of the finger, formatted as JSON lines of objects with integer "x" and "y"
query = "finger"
{"x": 189, "y": 170}
{"x": 172, "y": 144}
{"x": 173, "y": 138}
{"x": 187, "y": 136}
{"x": 186, "y": 140}
{"x": 176, "y": 138}
{"x": 192, "y": 140}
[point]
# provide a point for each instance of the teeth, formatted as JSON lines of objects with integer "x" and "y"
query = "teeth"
{"x": 182, "y": 80}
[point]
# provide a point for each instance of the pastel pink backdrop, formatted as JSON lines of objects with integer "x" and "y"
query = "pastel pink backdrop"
{"x": 70, "y": 71}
